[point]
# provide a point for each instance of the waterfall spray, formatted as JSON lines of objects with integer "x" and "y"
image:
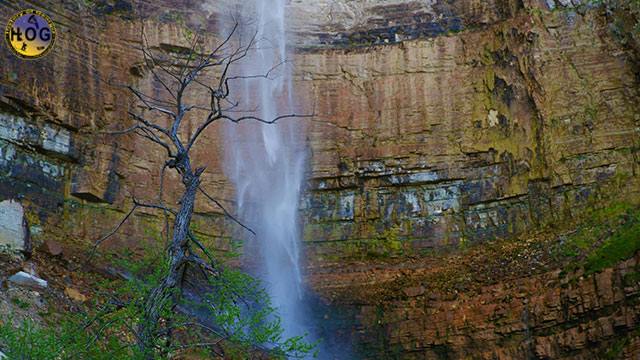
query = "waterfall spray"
{"x": 266, "y": 164}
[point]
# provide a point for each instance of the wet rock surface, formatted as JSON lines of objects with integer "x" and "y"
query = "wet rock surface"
{"x": 403, "y": 311}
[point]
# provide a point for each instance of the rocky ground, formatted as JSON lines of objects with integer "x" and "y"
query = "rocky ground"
{"x": 556, "y": 294}
{"x": 544, "y": 295}
{"x": 48, "y": 288}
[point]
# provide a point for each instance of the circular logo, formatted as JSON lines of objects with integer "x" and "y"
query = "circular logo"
{"x": 30, "y": 34}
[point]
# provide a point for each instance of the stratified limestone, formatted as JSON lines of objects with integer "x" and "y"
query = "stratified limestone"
{"x": 513, "y": 121}
{"x": 438, "y": 123}
{"x": 553, "y": 315}
{"x": 468, "y": 137}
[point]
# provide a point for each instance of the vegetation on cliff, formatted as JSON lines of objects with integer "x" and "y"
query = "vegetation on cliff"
{"x": 180, "y": 297}
{"x": 440, "y": 287}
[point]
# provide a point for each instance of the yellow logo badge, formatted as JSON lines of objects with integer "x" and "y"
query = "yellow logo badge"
{"x": 30, "y": 34}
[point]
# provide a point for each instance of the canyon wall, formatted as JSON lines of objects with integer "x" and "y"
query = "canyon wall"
{"x": 438, "y": 125}
{"x": 469, "y": 137}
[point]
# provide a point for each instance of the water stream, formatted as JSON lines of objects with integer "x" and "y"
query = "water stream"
{"x": 266, "y": 163}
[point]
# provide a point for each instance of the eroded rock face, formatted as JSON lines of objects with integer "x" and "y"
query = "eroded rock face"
{"x": 467, "y": 121}
{"x": 500, "y": 131}
{"x": 553, "y": 315}
{"x": 14, "y": 233}
{"x": 356, "y": 23}
{"x": 444, "y": 139}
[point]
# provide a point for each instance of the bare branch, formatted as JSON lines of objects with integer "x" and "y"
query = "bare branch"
{"x": 206, "y": 252}
{"x": 110, "y": 234}
{"x": 239, "y": 77}
{"x": 212, "y": 117}
{"x": 149, "y": 105}
{"x": 121, "y": 132}
{"x": 272, "y": 121}
{"x": 192, "y": 52}
{"x": 154, "y": 206}
{"x": 147, "y": 134}
{"x": 147, "y": 55}
{"x": 149, "y": 124}
{"x": 161, "y": 201}
{"x": 203, "y": 264}
{"x": 216, "y": 111}
{"x": 226, "y": 213}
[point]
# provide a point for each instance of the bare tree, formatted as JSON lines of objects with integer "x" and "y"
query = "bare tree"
{"x": 161, "y": 124}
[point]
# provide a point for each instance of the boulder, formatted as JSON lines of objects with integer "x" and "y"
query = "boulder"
{"x": 22, "y": 278}
{"x": 53, "y": 247}
{"x": 14, "y": 232}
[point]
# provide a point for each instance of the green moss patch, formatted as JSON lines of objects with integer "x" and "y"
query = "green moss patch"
{"x": 608, "y": 236}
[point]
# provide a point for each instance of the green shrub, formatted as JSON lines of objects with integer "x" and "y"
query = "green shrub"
{"x": 622, "y": 245}
{"x": 238, "y": 308}
{"x": 70, "y": 340}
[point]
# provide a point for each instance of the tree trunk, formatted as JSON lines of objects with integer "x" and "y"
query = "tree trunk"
{"x": 169, "y": 288}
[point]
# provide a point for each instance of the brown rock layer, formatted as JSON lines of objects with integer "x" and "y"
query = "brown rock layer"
{"x": 547, "y": 316}
{"x": 498, "y": 118}
{"x": 469, "y": 137}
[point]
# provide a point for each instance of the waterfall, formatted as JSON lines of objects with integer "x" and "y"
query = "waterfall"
{"x": 266, "y": 163}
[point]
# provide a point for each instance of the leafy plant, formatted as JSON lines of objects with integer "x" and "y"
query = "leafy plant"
{"x": 231, "y": 317}
{"x": 21, "y": 303}
{"x": 70, "y": 340}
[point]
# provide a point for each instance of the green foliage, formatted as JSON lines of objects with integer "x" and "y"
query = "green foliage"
{"x": 610, "y": 235}
{"x": 631, "y": 279}
{"x": 70, "y": 340}
{"x": 238, "y": 308}
{"x": 240, "y": 318}
{"x": 242, "y": 312}
{"x": 21, "y": 303}
{"x": 615, "y": 350}
{"x": 621, "y": 246}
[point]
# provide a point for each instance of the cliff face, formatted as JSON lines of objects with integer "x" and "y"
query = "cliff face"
{"x": 57, "y": 158}
{"x": 469, "y": 137}
{"x": 547, "y": 316}
{"x": 439, "y": 126}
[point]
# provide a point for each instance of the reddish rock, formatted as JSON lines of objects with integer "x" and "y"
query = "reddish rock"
{"x": 53, "y": 247}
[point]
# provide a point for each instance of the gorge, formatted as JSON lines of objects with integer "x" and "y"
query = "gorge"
{"x": 466, "y": 188}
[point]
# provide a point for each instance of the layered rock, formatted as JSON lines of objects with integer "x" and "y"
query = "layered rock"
{"x": 469, "y": 137}
{"x": 56, "y": 154}
{"x": 552, "y": 315}
{"x": 438, "y": 124}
